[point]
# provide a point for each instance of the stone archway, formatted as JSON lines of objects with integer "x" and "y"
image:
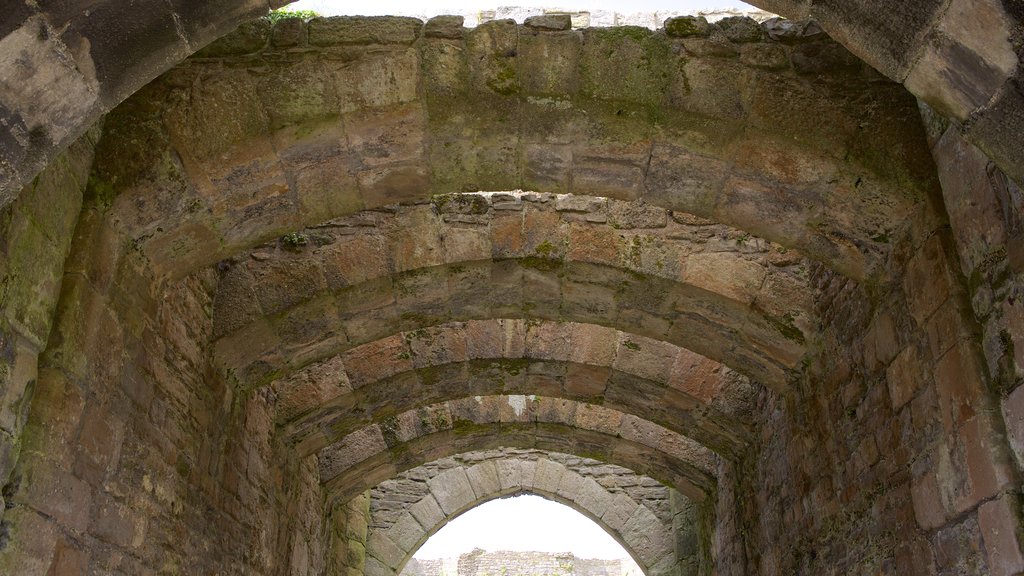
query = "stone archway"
{"x": 644, "y": 519}
{"x": 917, "y": 47}
{"x": 148, "y": 449}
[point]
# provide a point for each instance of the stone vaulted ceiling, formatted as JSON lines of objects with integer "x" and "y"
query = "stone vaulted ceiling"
{"x": 303, "y": 294}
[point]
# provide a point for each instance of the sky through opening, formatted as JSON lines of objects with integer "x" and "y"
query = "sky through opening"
{"x": 435, "y": 7}
{"x": 524, "y": 523}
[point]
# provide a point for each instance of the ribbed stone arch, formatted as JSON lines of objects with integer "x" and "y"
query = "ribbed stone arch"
{"x": 662, "y": 383}
{"x": 241, "y": 149}
{"x": 724, "y": 294}
{"x": 105, "y": 53}
{"x": 368, "y": 456}
{"x": 646, "y": 533}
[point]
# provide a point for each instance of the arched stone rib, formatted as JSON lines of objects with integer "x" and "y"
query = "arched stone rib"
{"x": 450, "y": 492}
{"x": 524, "y": 421}
{"x": 665, "y": 384}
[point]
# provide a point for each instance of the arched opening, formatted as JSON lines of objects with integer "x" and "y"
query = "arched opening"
{"x": 659, "y": 529}
{"x": 504, "y": 532}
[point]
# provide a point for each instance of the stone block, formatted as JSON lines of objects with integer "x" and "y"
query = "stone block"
{"x": 407, "y": 533}
{"x": 999, "y": 521}
{"x": 548, "y": 476}
{"x": 118, "y": 524}
{"x": 356, "y": 30}
{"x": 592, "y": 497}
{"x": 452, "y": 490}
{"x": 444, "y": 27}
{"x": 687, "y": 26}
{"x": 985, "y": 469}
{"x": 618, "y": 512}
{"x": 549, "y": 22}
{"x": 645, "y": 357}
{"x": 483, "y": 478}
{"x": 993, "y": 130}
{"x": 1013, "y": 415}
{"x": 380, "y": 547}
{"x": 967, "y": 61}
{"x": 907, "y": 374}
{"x": 592, "y": 344}
{"x": 377, "y": 360}
{"x": 927, "y": 282}
{"x": 493, "y": 54}
{"x": 549, "y": 63}
{"x": 726, "y": 274}
{"x": 638, "y": 71}
{"x": 427, "y": 512}
{"x": 379, "y": 79}
{"x": 958, "y": 381}
{"x": 354, "y": 448}
{"x": 741, "y": 29}
{"x": 288, "y": 32}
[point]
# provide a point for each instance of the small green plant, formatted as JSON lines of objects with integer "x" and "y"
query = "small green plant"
{"x": 284, "y": 13}
{"x": 545, "y": 248}
{"x": 294, "y": 240}
{"x": 631, "y": 345}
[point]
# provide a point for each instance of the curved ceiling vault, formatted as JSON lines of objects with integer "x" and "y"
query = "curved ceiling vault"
{"x": 804, "y": 148}
{"x": 624, "y": 311}
{"x": 108, "y": 52}
{"x": 376, "y": 453}
{"x": 718, "y": 291}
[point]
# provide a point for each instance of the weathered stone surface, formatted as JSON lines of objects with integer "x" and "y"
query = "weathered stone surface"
{"x": 345, "y": 30}
{"x": 552, "y": 22}
{"x": 257, "y": 313}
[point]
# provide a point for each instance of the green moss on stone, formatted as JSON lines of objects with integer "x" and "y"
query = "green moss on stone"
{"x": 541, "y": 263}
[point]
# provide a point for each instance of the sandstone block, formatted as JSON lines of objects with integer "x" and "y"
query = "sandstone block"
{"x": 345, "y": 30}
{"x": 999, "y": 521}
{"x": 687, "y": 26}
{"x": 549, "y": 22}
{"x": 452, "y": 490}
{"x": 444, "y": 27}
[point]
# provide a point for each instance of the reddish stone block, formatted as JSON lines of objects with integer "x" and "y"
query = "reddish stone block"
{"x": 927, "y": 282}
{"x": 905, "y": 376}
{"x": 376, "y": 360}
{"x": 987, "y": 472}
{"x": 68, "y": 560}
{"x": 945, "y": 328}
{"x": 959, "y": 382}
{"x": 1013, "y": 315}
{"x": 1013, "y": 415}
{"x": 592, "y": 344}
{"x": 592, "y": 243}
{"x": 1000, "y": 524}
{"x": 975, "y": 213}
{"x": 928, "y": 507}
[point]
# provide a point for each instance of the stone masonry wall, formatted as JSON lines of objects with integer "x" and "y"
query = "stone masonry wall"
{"x": 890, "y": 458}
{"x": 35, "y": 238}
{"x": 136, "y": 458}
{"x": 986, "y": 213}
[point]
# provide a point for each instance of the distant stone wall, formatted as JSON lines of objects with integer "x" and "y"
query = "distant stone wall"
{"x": 506, "y": 563}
